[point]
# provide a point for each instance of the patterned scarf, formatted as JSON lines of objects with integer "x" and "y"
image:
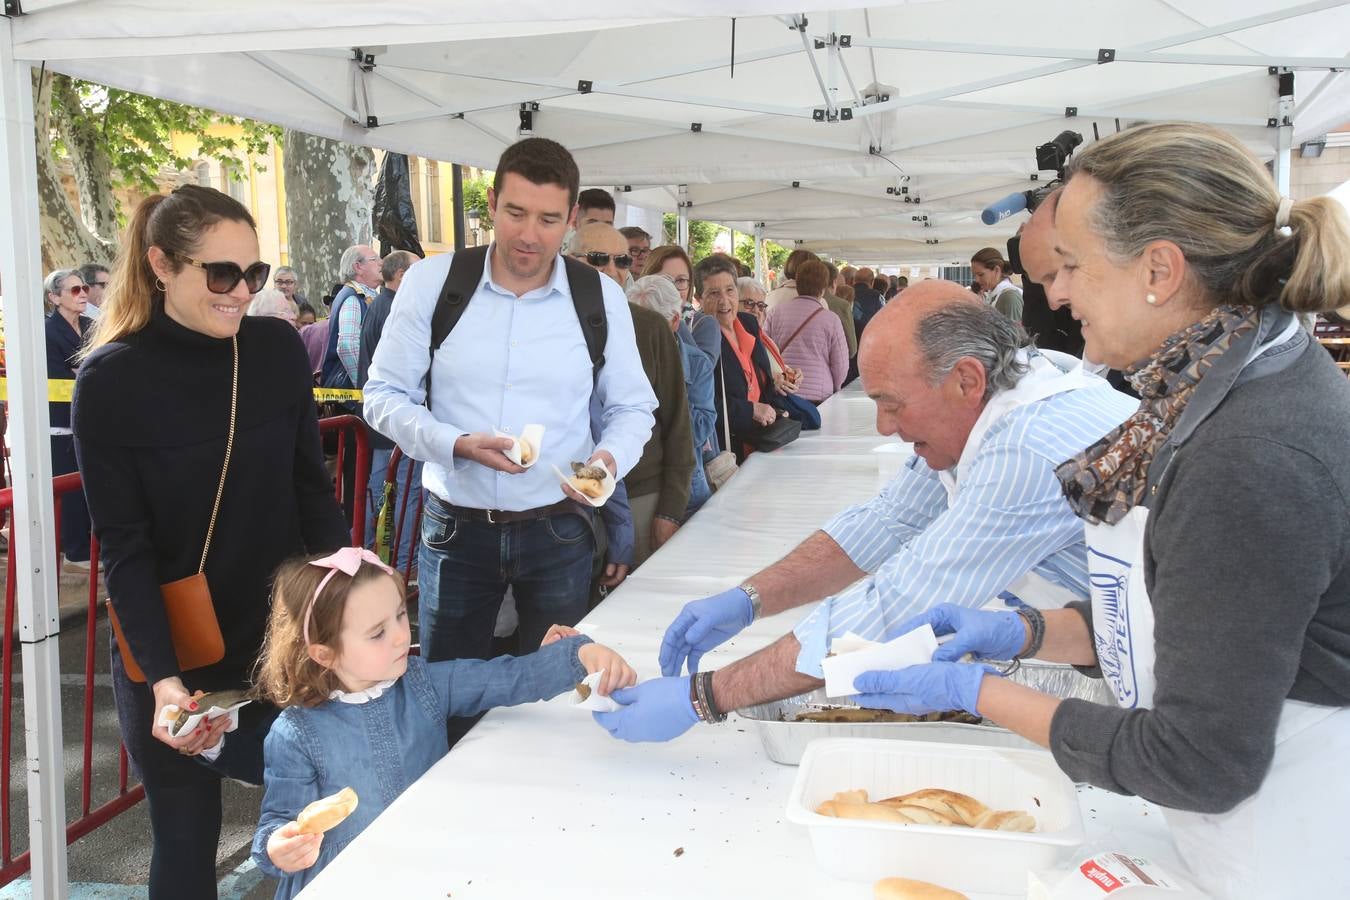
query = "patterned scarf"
{"x": 1108, "y": 479}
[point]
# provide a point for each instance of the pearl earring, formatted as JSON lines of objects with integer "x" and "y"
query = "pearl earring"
{"x": 1151, "y": 300}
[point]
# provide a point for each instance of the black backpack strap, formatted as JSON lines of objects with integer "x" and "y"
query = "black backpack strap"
{"x": 589, "y": 301}
{"x": 466, "y": 270}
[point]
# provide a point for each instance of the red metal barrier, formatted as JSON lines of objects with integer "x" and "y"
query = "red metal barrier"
{"x": 341, "y": 426}
{"x": 91, "y": 817}
{"x": 401, "y": 500}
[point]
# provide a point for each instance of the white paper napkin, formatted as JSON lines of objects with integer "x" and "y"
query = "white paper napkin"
{"x": 910, "y": 649}
{"x": 170, "y": 712}
{"x": 532, "y": 433}
{"x": 608, "y": 485}
{"x": 594, "y": 702}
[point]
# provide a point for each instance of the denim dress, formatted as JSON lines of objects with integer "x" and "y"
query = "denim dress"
{"x": 380, "y": 746}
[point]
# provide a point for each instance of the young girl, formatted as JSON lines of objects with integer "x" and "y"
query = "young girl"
{"x": 358, "y": 712}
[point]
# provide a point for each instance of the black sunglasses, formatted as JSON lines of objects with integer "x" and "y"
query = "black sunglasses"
{"x": 221, "y": 277}
{"x": 600, "y": 259}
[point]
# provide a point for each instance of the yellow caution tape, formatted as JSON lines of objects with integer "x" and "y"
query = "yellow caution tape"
{"x": 61, "y": 390}
{"x": 331, "y": 395}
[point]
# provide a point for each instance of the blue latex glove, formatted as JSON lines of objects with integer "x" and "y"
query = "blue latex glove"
{"x": 987, "y": 635}
{"x": 919, "y": 690}
{"x": 656, "y": 710}
{"x": 703, "y": 625}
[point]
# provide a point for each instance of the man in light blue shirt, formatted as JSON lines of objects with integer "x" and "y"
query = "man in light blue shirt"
{"x": 977, "y": 511}
{"x": 517, "y": 356}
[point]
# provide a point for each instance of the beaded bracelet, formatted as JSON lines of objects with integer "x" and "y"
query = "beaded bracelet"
{"x": 1036, "y": 621}
{"x": 700, "y": 696}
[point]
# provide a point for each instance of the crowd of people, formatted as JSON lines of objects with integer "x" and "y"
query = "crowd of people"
{"x": 1034, "y": 480}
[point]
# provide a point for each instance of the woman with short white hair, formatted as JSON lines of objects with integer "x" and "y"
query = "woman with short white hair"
{"x": 272, "y": 302}
{"x": 659, "y": 294}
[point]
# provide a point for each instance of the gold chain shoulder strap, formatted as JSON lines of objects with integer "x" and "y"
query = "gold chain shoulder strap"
{"x": 229, "y": 450}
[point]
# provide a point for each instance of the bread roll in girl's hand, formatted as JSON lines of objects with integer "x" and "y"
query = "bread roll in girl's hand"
{"x": 326, "y": 813}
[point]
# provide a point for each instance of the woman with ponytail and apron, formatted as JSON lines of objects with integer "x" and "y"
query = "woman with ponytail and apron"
{"x": 1217, "y": 521}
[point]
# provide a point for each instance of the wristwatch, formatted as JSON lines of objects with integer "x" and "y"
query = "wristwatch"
{"x": 753, "y": 594}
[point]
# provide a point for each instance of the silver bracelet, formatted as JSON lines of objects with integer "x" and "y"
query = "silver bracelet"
{"x": 753, "y": 593}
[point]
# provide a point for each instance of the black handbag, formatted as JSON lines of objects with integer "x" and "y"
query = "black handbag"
{"x": 782, "y": 432}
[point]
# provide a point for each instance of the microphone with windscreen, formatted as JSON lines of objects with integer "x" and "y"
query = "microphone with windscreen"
{"x": 1010, "y": 205}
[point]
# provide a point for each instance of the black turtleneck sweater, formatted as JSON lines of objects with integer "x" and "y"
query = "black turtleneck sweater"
{"x": 151, "y": 414}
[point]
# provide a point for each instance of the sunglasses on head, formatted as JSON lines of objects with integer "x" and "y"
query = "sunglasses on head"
{"x": 221, "y": 277}
{"x": 600, "y": 259}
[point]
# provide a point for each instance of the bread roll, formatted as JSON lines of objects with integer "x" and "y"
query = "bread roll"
{"x": 588, "y": 486}
{"x": 1006, "y": 820}
{"x": 965, "y": 809}
{"x": 858, "y": 796}
{"x": 323, "y": 814}
{"x": 909, "y": 889}
{"x": 873, "y": 812}
{"x": 920, "y": 815}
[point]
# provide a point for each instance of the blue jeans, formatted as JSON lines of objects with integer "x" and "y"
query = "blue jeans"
{"x": 379, "y": 465}
{"x": 465, "y": 566}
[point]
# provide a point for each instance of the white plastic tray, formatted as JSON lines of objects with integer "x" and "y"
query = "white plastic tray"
{"x": 963, "y": 859}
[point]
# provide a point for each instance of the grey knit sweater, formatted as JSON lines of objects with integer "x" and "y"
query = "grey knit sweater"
{"x": 1247, "y": 562}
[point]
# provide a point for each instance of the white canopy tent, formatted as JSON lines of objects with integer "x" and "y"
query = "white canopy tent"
{"x": 842, "y": 102}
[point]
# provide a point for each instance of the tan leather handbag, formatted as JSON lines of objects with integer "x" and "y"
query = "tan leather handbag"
{"x": 193, "y": 627}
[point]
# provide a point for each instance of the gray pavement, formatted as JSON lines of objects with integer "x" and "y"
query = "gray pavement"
{"x": 117, "y": 853}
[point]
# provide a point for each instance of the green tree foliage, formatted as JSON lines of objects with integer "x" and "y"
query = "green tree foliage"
{"x": 775, "y": 254}
{"x": 136, "y": 131}
{"x": 475, "y": 197}
{"x": 701, "y": 235}
{"x": 113, "y": 138}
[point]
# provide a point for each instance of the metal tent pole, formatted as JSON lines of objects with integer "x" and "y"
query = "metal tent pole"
{"x": 32, "y": 534}
{"x": 1284, "y": 130}
{"x": 759, "y": 252}
{"x": 682, "y": 218}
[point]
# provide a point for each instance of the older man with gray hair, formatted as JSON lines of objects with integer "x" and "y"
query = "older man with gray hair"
{"x": 976, "y": 514}
{"x": 360, "y": 272}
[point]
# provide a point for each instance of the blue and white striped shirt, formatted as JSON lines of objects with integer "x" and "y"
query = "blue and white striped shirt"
{"x": 1009, "y": 518}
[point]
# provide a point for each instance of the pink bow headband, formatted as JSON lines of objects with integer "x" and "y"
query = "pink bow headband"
{"x": 348, "y": 561}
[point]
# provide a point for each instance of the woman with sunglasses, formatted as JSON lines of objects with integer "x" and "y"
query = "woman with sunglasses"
{"x": 173, "y": 369}
{"x": 68, "y": 297}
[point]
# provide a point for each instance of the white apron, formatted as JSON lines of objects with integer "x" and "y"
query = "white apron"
{"x": 1287, "y": 840}
{"x": 1044, "y": 379}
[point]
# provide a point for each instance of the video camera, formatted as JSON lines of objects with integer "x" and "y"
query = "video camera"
{"x": 1051, "y": 156}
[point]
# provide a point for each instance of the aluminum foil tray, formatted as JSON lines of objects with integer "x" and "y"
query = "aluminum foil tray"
{"x": 785, "y": 739}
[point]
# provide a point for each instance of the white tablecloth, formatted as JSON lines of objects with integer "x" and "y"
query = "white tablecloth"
{"x": 538, "y": 801}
